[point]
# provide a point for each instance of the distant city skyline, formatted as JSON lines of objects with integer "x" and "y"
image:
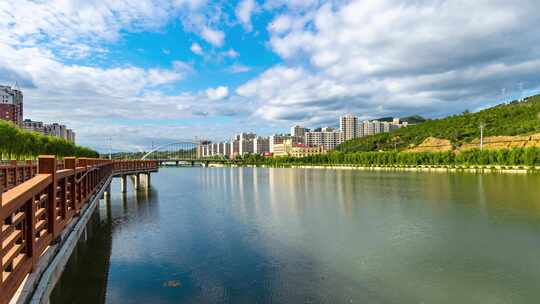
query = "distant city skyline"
{"x": 148, "y": 70}
{"x": 300, "y": 141}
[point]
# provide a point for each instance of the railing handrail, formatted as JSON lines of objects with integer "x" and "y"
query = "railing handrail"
{"x": 39, "y": 201}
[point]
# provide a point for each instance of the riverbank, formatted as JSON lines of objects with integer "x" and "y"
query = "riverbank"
{"x": 422, "y": 168}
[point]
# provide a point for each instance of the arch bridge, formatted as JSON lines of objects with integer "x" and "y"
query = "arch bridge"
{"x": 180, "y": 153}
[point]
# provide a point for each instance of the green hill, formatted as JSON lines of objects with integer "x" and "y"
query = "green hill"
{"x": 514, "y": 118}
{"x": 414, "y": 119}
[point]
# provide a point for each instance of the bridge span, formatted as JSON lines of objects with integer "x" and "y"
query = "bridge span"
{"x": 180, "y": 153}
{"x": 41, "y": 205}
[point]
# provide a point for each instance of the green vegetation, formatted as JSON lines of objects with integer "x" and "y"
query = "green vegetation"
{"x": 509, "y": 157}
{"x": 514, "y": 118}
{"x": 414, "y": 119}
{"x": 18, "y": 144}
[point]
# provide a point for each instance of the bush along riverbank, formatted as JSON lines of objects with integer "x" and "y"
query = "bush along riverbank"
{"x": 17, "y": 144}
{"x": 507, "y": 159}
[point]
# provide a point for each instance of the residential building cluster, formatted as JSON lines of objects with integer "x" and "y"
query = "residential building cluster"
{"x": 11, "y": 109}
{"x": 300, "y": 142}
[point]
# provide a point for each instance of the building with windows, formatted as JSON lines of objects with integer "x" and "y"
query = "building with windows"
{"x": 33, "y": 126}
{"x": 350, "y": 127}
{"x": 327, "y": 138}
{"x": 11, "y": 105}
{"x": 70, "y": 135}
{"x": 55, "y": 129}
{"x": 298, "y": 131}
{"x": 291, "y": 149}
{"x": 261, "y": 145}
{"x": 245, "y": 143}
{"x": 375, "y": 127}
{"x": 280, "y": 138}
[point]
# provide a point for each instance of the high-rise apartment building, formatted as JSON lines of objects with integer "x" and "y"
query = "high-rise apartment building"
{"x": 350, "y": 127}
{"x": 245, "y": 143}
{"x": 70, "y": 135}
{"x": 298, "y": 131}
{"x": 261, "y": 145}
{"x": 327, "y": 138}
{"x": 55, "y": 129}
{"x": 11, "y": 105}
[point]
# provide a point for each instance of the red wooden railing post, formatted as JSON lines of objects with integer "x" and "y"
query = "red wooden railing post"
{"x": 47, "y": 165}
{"x": 83, "y": 183}
{"x": 70, "y": 163}
{"x": 28, "y": 168}
{"x": 15, "y": 172}
{"x": 30, "y": 237}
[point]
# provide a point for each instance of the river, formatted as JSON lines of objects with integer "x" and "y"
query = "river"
{"x": 257, "y": 235}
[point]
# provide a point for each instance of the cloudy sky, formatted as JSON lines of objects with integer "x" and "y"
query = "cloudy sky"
{"x": 160, "y": 70}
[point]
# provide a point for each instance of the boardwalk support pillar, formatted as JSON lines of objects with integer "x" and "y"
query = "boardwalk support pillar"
{"x": 147, "y": 180}
{"x": 137, "y": 181}
{"x": 123, "y": 184}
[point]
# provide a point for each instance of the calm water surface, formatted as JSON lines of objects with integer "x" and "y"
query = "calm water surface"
{"x": 242, "y": 235}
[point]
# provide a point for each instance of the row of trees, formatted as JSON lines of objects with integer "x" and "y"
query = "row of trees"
{"x": 514, "y": 118}
{"x": 513, "y": 157}
{"x": 18, "y": 144}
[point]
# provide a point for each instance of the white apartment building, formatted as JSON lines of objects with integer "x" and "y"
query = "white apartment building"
{"x": 245, "y": 143}
{"x": 235, "y": 148}
{"x": 70, "y": 135}
{"x": 261, "y": 145}
{"x": 227, "y": 148}
{"x": 327, "y": 138}
{"x": 350, "y": 127}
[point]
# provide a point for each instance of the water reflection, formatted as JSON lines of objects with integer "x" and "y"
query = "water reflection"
{"x": 85, "y": 279}
{"x": 256, "y": 235}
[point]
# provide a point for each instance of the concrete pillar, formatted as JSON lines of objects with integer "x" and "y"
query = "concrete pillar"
{"x": 137, "y": 181}
{"x": 107, "y": 193}
{"x": 108, "y": 190}
{"x": 123, "y": 183}
{"x": 148, "y": 180}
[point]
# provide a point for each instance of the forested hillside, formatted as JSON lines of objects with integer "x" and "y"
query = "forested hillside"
{"x": 514, "y": 118}
{"x": 18, "y": 144}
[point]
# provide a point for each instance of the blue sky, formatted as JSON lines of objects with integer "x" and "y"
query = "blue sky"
{"x": 140, "y": 71}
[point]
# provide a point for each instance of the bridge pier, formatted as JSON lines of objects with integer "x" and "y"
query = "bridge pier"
{"x": 107, "y": 192}
{"x": 137, "y": 181}
{"x": 148, "y": 180}
{"x": 123, "y": 183}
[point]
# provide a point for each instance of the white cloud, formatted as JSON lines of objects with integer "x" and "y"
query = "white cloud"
{"x": 232, "y": 53}
{"x": 218, "y": 93}
{"x": 196, "y": 49}
{"x": 395, "y": 57}
{"x": 91, "y": 99}
{"x": 214, "y": 37}
{"x": 238, "y": 68}
{"x": 244, "y": 10}
{"x": 77, "y": 28}
{"x": 281, "y": 24}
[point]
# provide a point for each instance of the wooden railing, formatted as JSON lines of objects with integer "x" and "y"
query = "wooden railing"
{"x": 38, "y": 200}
